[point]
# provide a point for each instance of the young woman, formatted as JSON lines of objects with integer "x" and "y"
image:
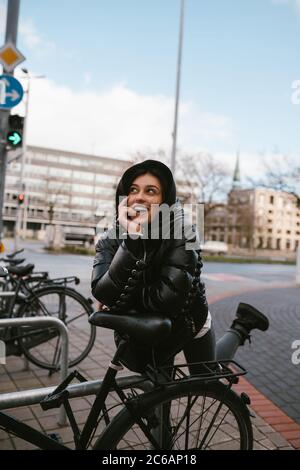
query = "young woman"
{"x": 145, "y": 265}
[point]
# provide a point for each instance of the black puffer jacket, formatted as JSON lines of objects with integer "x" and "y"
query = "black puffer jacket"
{"x": 161, "y": 276}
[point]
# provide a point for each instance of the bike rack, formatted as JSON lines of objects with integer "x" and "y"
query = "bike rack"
{"x": 45, "y": 321}
{"x": 34, "y": 396}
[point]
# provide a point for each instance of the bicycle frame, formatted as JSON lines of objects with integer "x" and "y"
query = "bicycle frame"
{"x": 33, "y": 436}
{"x": 21, "y": 291}
{"x": 63, "y": 393}
{"x": 45, "y": 442}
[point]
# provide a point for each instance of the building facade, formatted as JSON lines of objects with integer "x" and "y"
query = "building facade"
{"x": 65, "y": 188}
{"x": 260, "y": 218}
{"x": 62, "y": 188}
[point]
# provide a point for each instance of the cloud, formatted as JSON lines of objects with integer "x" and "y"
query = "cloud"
{"x": 2, "y": 17}
{"x": 294, "y": 3}
{"x": 28, "y": 33}
{"x": 33, "y": 39}
{"x": 116, "y": 122}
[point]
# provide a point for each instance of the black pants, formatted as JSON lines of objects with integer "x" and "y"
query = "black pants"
{"x": 207, "y": 349}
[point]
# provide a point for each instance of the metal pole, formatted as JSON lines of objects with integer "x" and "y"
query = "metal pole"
{"x": 298, "y": 267}
{"x": 33, "y": 397}
{"x": 12, "y": 18}
{"x": 179, "y": 59}
{"x": 22, "y": 186}
{"x": 23, "y": 164}
{"x": 47, "y": 321}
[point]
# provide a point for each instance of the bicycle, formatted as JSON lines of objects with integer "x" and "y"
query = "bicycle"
{"x": 36, "y": 295}
{"x": 181, "y": 412}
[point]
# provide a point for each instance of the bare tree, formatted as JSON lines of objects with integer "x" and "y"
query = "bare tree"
{"x": 52, "y": 195}
{"x": 159, "y": 154}
{"x": 207, "y": 178}
{"x": 280, "y": 172}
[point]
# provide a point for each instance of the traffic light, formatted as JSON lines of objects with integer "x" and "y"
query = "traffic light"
{"x": 21, "y": 198}
{"x": 14, "y": 136}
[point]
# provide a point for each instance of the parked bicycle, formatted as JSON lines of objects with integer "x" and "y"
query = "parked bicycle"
{"x": 26, "y": 294}
{"x": 199, "y": 412}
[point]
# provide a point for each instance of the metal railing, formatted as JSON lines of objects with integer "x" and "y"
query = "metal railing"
{"x": 64, "y": 357}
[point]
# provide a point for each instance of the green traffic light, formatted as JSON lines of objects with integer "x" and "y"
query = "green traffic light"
{"x": 14, "y": 138}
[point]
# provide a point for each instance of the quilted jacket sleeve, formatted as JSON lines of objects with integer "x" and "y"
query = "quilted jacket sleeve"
{"x": 116, "y": 274}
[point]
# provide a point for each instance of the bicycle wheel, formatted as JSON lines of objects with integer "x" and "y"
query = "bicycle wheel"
{"x": 43, "y": 346}
{"x": 190, "y": 415}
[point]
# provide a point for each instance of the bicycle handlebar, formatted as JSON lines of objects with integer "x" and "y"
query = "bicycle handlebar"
{"x": 14, "y": 253}
{"x": 3, "y": 271}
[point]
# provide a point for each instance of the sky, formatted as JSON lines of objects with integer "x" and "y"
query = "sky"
{"x": 109, "y": 75}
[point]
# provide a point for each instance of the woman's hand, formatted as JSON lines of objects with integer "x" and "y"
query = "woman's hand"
{"x": 125, "y": 214}
{"x": 100, "y": 307}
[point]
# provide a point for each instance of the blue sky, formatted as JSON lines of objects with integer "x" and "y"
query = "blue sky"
{"x": 110, "y": 75}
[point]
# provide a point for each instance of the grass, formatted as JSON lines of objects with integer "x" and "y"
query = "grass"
{"x": 74, "y": 250}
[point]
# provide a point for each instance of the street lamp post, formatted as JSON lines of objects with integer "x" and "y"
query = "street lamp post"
{"x": 22, "y": 220}
{"x": 179, "y": 59}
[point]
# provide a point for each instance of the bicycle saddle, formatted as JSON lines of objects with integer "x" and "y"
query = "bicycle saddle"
{"x": 21, "y": 270}
{"x": 148, "y": 329}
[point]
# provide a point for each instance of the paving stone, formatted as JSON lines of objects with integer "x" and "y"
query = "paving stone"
{"x": 277, "y": 439}
{"x": 257, "y": 434}
{"x": 6, "y": 445}
{"x": 268, "y": 444}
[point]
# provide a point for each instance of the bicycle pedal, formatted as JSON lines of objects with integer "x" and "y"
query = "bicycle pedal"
{"x": 153, "y": 421}
{"x": 245, "y": 398}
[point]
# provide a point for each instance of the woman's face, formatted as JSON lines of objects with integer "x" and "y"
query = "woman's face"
{"x": 145, "y": 190}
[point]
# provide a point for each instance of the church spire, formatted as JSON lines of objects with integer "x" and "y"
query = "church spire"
{"x": 236, "y": 182}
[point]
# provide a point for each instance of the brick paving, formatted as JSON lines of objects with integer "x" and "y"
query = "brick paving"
{"x": 275, "y": 427}
{"x": 268, "y": 358}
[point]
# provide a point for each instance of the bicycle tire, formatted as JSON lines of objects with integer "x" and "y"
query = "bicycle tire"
{"x": 234, "y": 432}
{"x": 73, "y": 309}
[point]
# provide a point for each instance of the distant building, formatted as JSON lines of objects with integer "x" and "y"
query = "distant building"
{"x": 259, "y": 218}
{"x": 65, "y": 188}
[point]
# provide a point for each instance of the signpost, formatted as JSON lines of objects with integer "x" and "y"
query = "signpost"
{"x": 11, "y": 92}
{"x": 10, "y": 56}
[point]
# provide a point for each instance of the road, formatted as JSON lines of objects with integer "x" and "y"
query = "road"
{"x": 220, "y": 278}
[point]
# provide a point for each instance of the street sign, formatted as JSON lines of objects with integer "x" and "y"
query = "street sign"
{"x": 11, "y": 92}
{"x": 14, "y": 138}
{"x": 10, "y": 56}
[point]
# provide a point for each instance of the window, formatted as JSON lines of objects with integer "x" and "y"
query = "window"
{"x": 271, "y": 199}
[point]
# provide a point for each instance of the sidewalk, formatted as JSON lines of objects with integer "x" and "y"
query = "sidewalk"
{"x": 273, "y": 427}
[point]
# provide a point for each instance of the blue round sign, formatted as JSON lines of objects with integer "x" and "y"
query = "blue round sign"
{"x": 11, "y": 92}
